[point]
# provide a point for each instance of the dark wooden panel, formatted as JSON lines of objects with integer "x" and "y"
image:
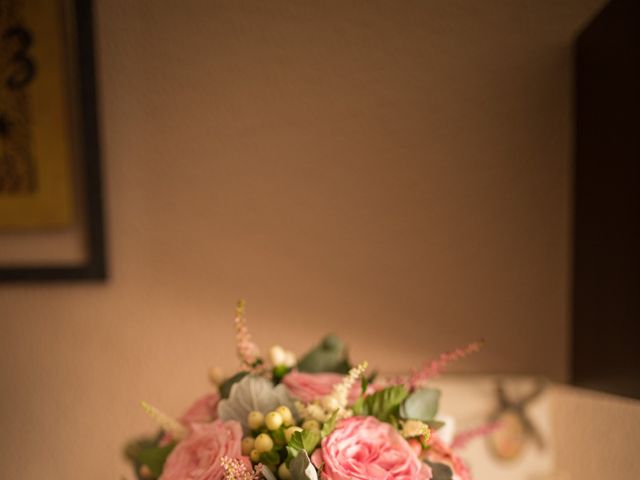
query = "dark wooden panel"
{"x": 606, "y": 302}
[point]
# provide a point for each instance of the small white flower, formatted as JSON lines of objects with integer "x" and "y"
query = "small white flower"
{"x": 290, "y": 359}
{"x": 336, "y": 402}
{"x": 279, "y": 356}
{"x": 341, "y": 390}
{"x": 276, "y": 354}
{"x": 316, "y": 412}
{"x": 329, "y": 403}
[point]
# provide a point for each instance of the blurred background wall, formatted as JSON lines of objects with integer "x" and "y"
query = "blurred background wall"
{"x": 397, "y": 172}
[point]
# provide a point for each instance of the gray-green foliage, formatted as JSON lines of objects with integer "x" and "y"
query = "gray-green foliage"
{"x": 329, "y": 356}
{"x": 253, "y": 393}
{"x": 301, "y": 468}
{"x": 421, "y": 405}
{"x": 440, "y": 471}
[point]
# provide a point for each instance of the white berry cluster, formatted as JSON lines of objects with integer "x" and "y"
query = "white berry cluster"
{"x": 334, "y": 403}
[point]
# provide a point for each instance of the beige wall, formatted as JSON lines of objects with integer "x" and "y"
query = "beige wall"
{"x": 397, "y": 172}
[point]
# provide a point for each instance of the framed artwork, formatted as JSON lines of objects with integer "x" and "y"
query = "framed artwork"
{"x": 51, "y": 220}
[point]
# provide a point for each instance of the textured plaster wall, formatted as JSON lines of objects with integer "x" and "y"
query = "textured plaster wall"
{"x": 398, "y": 172}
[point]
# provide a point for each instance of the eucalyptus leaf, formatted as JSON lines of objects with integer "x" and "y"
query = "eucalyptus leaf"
{"x": 329, "y": 356}
{"x": 435, "y": 424}
{"x": 301, "y": 468}
{"x": 421, "y": 405}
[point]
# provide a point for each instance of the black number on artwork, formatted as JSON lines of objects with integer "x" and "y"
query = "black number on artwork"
{"x": 22, "y": 68}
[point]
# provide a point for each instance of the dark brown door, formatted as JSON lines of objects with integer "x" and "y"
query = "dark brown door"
{"x": 606, "y": 303}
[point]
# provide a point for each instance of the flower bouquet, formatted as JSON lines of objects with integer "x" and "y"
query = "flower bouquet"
{"x": 317, "y": 417}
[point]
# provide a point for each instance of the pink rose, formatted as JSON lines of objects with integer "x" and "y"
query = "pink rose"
{"x": 197, "y": 457}
{"x": 364, "y": 448}
{"x": 205, "y": 409}
{"x": 312, "y": 386}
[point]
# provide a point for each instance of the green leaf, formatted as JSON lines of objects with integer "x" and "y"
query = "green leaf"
{"x": 291, "y": 454}
{"x": 393, "y": 420}
{"x": 329, "y": 425}
{"x": 306, "y": 440}
{"x": 329, "y": 356}
{"x": 364, "y": 383}
{"x": 358, "y": 406}
{"x": 134, "y": 447}
{"x": 435, "y": 424}
{"x": 383, "y": 405}
{"x": 279, "y": 372}
{"x": 421, "y": 405}
{"x": 301, "y": 468}
{"x": 270, "y": 458}
{"x": 278, "y": 436}
{"x": 154, "y": 458}
{"x": 225, "y": 387}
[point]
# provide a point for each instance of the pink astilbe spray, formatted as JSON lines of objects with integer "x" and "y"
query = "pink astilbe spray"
{"x": 463, "y": 438}
{"x": 437, "y": 366}
{"x": 236, "y": 470}
{"x": 248, "y": 351}
{"x": 440, "y": 452}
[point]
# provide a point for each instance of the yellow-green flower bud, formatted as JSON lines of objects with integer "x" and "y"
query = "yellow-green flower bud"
{"x": 248, "y": 444}
{"x": 263, "y": 443}
{"x": 255, "y": 420}
{"x": 287, "y": 416}
{"x": 273, "y": 420}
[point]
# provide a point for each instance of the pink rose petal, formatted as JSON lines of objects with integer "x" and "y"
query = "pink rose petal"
{"x": 364, "y": 448}
{"x": 197, "y": 457}
{"x": 312, "y": 386}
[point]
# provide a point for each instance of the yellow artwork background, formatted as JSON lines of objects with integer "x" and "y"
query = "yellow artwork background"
{"x": 51, "y": 205}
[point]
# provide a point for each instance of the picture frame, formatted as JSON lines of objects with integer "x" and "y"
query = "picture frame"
{"x": 82, "y": 235}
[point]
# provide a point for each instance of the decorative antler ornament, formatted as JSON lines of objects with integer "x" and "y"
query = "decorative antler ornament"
{"x": 516, "y": 427}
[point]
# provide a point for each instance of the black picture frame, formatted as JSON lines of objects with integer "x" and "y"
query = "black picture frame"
{"x": 94, "y": 268}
